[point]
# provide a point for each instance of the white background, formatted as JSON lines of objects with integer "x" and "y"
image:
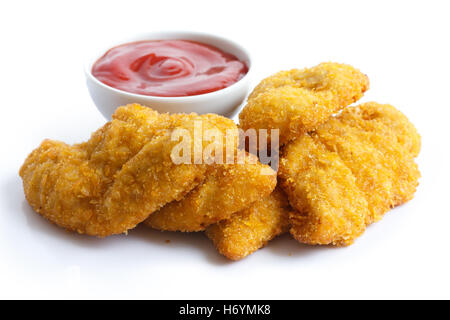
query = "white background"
{"x": 402, "y": 45}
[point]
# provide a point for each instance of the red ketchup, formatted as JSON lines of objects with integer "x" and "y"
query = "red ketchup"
{"x": 168, "y": 68}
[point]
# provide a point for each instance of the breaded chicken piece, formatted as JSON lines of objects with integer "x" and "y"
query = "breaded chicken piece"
{"x": 229, "y": 188}
{"x": 385, "y": 143}
{"x": 118, "y": 178}
{"x": 330, "y": 207}
{"x": 353, "y": 168}
{"x": 298, "y": 101}
{"x": 111, "y": 146}
{"x": 251, "y": 229}
{"x": 377, "y": 115}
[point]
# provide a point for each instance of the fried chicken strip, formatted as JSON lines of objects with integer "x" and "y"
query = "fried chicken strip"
{"x": 119, "y": 177}
{"x": 252, "y": 228}
{"x": 377, "y": 116}
{"x": 330, "y": 207}
{"x": 378, "y": 144}
{"x": 349, "y": 172}
{"x": 229, "y": 188}
{"x": 298, "y": 101}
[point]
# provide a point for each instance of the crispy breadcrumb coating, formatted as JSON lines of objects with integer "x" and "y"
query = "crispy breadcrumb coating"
{"x": 297, "y": 101}
{"x": 331, "y": 208}
{"x": 349, "y": 172}
{"x": 119, "y": 177}
{"x": 229, "y": 188}
{"x": 251, "y": 229}
{"x": 377, "y": 115}
{"x": 378, "y": 144}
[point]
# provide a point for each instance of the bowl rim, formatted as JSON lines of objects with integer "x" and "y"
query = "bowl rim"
{"x": 182, "y": 35}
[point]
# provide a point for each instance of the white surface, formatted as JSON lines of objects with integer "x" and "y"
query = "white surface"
{"x": 224, "y": 102}
{"x": 402, "y": 46}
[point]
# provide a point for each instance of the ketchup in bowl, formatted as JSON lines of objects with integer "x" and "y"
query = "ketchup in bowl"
{"x": 168, "y": 68}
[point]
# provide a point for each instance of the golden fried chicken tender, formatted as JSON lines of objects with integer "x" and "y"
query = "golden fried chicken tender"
{"x": 378, "y": 144}
{"x": 377, "y": 115}
{"x": 251, "y": 229}
{"x": 330, "y": 207}
{"x": 229, "y": 188}
{"x": 349, "y": 172}
{"x": 119, "y": 177}
{"x": 298, "y": 101}
{"x": 111, "y": 146}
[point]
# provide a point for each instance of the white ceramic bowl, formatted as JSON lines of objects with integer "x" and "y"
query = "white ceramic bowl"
{"x": 224, "y": 101}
